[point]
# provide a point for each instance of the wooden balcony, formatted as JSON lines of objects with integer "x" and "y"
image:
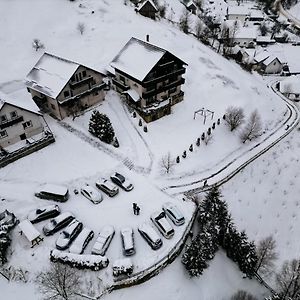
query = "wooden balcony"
{"x": 163, "y": 77}
{"x": 11, "y": 122}
{"x": 78, "y": 84}
{"x": 120, "y": 85}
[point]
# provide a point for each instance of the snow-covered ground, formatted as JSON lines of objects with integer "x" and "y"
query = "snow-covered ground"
{"x": 212, "y": 82}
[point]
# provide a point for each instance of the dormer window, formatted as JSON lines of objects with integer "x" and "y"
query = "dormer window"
{"x": 13, "y": 114}
{"x": 83, "y": 73}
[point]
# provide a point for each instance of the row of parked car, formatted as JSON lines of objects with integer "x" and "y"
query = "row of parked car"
{"x": 76, "y": 237}
{"x": 61, "y": 193}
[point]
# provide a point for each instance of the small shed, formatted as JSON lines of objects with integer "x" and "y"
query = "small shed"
{"x": 30, "y": 232}
{"x": 191, "y": 6}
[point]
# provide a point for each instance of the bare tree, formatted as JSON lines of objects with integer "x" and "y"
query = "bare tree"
{"x": 263, "y": 29}
{"x": 242, "y": 295}
{"x": 266, "y": 254}
{"x": 59, "y": 282}
{"x": 37, "y": 45}
{"x": 184, "y": 22}
{"x": 288, "y": 280}
{"x": 234, "y": 117}
{"x": 253, "y": 128}
{"x": 167, "y": 163}
{"x": 81, "y": 27}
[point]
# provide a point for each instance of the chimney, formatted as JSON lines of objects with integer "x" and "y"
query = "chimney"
{"x": 147, "y": 38}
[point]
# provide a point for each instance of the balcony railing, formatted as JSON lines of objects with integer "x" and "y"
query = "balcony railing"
{"x": 159, "y": 77}
{"x": 120, "y": 85}
{"x": 163, "y": 88}
{"x": 11, "y": 122}
{"x": 77, "y": 84}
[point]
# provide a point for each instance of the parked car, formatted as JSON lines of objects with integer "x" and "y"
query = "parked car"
{"x": 69, "y": 234}
{"x": 81, "y": 241}
{"x": 92, "y": 194}
{"x": 58, "y": 223}
{"x": 53, "y": 192}
{"x": 127, "y": 241}
{"x": 160, "y": 221}
{"x": 107, "y": 187}
{"x": 174, "y": 214}
{"x": 103, "y": 240}
{"x": 150, "y": 235}
{"x": 43, "y": 213}
{"x": 121, "y": 181}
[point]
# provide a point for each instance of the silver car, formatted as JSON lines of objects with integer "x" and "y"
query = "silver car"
{"x": 150, "y": 235}
{"x": 68, "y": 235}
{"x": 127, "y": 241}
{"x": 107, "y": 187}
{"x": 92, "y": 194}
{"x": 174, "y": 214}
{"x": 103, "y": 240}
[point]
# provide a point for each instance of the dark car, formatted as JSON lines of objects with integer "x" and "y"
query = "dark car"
{"x": 53, "y": 192}
{"x": 81, "y": 241}
{"x": 160, "y": 221}
{"x": 121, "y": 181}
{"x": 43, "y": 213}
{"x": 68, "y": 235}
{"x": 107, "y": 187}
{"x": 58, "y": 223}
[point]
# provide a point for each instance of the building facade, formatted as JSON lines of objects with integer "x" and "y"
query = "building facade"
{"x": 63, "y": 88}
{"x": 150, "y": 78}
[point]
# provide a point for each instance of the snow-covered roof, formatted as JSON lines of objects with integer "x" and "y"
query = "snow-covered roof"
{"x": 245, "y": 33}
{"x": 260, "y": 56}
{"x": 26, "y": 104}
{"x": 141, "y": 5}
{"x": 133, "y": 95}
{"x": 290, "y": 85}
{"x": 238, "y": 10}
{"x": 269, "y": 60}
{"x": 137, "y": 58}
{"x": 53, "y": 188}
{"x": 29, "y": 230}
{"x": 255, "y": 13}
{"x": 264, "y": 39}
{"x": 50, "y": 74}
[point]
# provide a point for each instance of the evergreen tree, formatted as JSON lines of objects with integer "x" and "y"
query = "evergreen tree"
{"x": 101, "y": 127}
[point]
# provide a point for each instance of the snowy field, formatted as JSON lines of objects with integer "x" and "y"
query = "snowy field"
{"x": 212, "y": 82}
{"x": 295, "y": 11}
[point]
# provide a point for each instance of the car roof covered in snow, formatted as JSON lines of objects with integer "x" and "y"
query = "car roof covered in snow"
{"x": 50, "y": 74}
{"x": 53, "y": 188}
{"x": 238, "y": 10}
{"x": 26, "y": 104}
{"x": 137, "y": 58}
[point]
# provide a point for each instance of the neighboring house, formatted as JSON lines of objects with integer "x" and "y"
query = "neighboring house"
{"x": 150, "y": 77}
{"x": 147, "y": 9}
{"x": 267, "y": 63}
{"x": 19, "y": 120}
{"x": 239, "y": 13}
{"x": 62, "y": 87}
{"x": 191, "y": 6}
{"x": 290, "y": 87}
{"x": 256, "y": 16}
{"x": 264, "y": 41}
{"x": 245, "y": 37}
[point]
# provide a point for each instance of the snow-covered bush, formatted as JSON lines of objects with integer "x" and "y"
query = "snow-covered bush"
{"x": 80, "y": 261}
{"x": 101, "y": 127}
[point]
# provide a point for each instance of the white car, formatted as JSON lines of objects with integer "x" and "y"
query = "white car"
{"x": 81, "y": 241}
{"x": 68, "y": 235}
{"x": 127, "y": 241}
{"x": 103, "y": 240}
{"x": 150, "y": 235}
{"x": 162, "y": 224}
{"x": 107, "y": 187}
{"x": 174, "y": 214}
{"x": 121, "y": 181}
{"x": 92, "y": 194}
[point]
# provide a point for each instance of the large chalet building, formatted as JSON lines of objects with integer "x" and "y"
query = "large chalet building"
{"x": 62, "y": 87}
{"x": 150, "y": 77}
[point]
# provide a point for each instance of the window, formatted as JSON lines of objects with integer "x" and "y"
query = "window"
{"x": 27, "y": 124}
{"x": 122, "y": 78}
{"x": 53, "y": 106}
{"x": 3, "y": 118}
{"x": 72, "y": 78}
{"x": 28, "y": 90}
{"x": 3, "y": 134}
{"x": 84, "y": 73}
{"x": 80, "y": 77}
{"x": 173, "y": 90}
{"x": 66, "y": 94}
{"x": 13, "y": 114}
